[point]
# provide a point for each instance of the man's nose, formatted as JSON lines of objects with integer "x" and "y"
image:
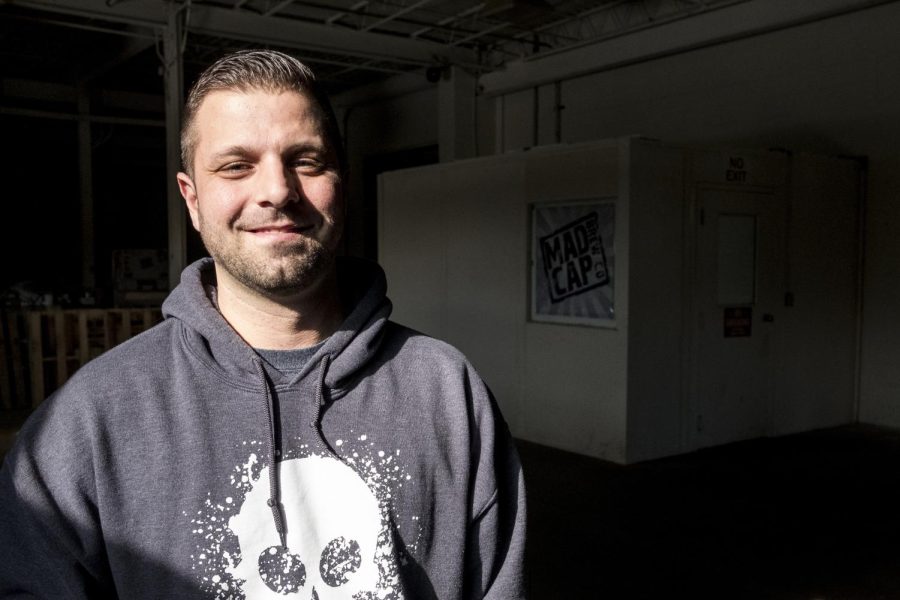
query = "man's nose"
{"x": 277, "y": 185}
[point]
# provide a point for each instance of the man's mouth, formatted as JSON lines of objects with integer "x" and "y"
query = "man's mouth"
{"x": 277, "y": 231}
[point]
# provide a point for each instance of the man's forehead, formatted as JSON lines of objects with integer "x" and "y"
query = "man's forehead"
{"x": 213, "y": 116}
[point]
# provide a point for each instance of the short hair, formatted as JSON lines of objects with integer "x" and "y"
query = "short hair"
{"x": 267, "y": 70}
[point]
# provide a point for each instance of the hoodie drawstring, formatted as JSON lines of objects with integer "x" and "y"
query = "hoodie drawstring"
{"x": 274, "y": 500}
{"x": 316, "y": 422}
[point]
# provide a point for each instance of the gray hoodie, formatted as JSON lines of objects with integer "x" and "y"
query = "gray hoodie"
{"x": 174, "y": 466}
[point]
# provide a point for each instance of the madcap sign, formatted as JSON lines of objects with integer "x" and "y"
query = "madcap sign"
{"x": 573, "y": 262}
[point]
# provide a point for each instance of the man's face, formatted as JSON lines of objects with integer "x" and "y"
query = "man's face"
{"x": 265, "y": 193}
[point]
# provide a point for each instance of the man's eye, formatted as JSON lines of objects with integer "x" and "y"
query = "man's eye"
{"x": 309, "y": 165}
{"x": 235, "y": 167}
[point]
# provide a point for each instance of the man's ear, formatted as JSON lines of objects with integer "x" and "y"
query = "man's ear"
{"x": 189, "y": 193}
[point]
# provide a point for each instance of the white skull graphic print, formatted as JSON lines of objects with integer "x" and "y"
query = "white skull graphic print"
{"x": 334, "y": 531}
{"x": 338, "y": 529}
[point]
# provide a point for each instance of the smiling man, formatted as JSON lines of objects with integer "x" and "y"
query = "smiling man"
{"x": 264, "y": 191}
{"x": 277, "y": 436}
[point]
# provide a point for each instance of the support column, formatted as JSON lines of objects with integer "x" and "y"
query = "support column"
{"x": 174, "y": 78}
{"x": 86, "y": 189}
{"x": 456, "y": 115}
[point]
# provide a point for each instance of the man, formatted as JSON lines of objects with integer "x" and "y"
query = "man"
{"x": 276, "y": 436}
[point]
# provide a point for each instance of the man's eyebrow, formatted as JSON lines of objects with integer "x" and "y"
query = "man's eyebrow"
{"x": 230, "y": 152}
{"x": 306, "y": 147}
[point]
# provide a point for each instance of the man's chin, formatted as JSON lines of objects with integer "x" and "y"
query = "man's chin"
{"x": 279, "y": 271}
{"x": 287, "y": 280}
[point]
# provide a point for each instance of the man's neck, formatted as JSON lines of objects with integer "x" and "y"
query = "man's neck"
{"x": 284, "y": 323}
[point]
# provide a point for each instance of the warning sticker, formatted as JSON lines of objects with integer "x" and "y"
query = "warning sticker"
{"x": 738, "y": 321}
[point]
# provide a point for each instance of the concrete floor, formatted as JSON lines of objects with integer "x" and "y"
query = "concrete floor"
{"x": 814, "y": 516}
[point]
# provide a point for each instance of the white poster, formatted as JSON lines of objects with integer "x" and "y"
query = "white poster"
{"x": 573, "y": 262}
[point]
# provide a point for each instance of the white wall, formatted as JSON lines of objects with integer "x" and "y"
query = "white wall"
{"x": 657, "y": 300}
{"x": 816, "y": 384}
{"x": 814, "y": 381}
{"x": 576, "y": 378}
{"x": 880, "y": 381}
{"x": 829, "y": 87}
{"x": 453, "y": 241}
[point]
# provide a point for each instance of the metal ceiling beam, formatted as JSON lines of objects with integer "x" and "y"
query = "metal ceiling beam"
{"x": 44, "y": 91}
{"x": 278, "y": 7}
{"x": 241, "y": 25}
{"x": 482, "y": 33}
{"x": 580, "y": 16}
{"x": 451, "y": 19}
{"x": 71, "y": 116}
{"x": 402, "y": 17}
{"x": 338, "y": 16}
{"x": 297, "y": 34}
{"x": 717, "y": 26}
{"x": 131, "y": 33}
{"x": 397, "y": 14}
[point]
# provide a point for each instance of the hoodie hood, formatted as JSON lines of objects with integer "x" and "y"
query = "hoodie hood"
{"x": 210, "y": 337}
{"x": 212, "y": 340}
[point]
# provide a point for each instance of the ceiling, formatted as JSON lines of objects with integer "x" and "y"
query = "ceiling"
{"x": 117, "y": 44}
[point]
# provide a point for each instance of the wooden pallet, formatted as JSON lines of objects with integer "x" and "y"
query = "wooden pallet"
{"x": 14, "y": 383}
{"x": 61, "y": 341}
